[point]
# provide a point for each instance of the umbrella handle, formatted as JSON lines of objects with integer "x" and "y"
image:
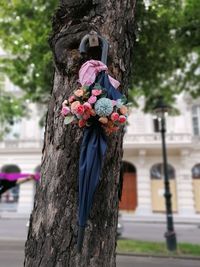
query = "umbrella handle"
{"x": 103, "y": 44}
{"x": 81, "y": 233}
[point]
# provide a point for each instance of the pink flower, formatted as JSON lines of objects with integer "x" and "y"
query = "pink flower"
{"x": 92, "y": 112}
{"x": 92, "y": 99}
{"x": 96, "y": 92}
{"x": 65, "y": 102}
{"x": 71, "y": 98}
{"x": 74, "y": 106}
{"x": 86, "y": 116}
{"x": 123, "y": 110}
{"x": 79, "y": 92}
{"x": 122, "y": 119}
{"x": 81, "y": 123}
{"x": 65, "y": 111}
{"x": 80, "y": 109}
{"x": 103, "y": 120}
{"x": 87, "y": 106}
{"x": 114, "y": 102}
{"x": 114, "y": 116}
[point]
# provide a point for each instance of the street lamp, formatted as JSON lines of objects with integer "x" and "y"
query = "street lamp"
{"x": 161, "y": 109}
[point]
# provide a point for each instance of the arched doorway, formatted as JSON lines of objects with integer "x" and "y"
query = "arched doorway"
{"x": 12, "y": 195}
{"x": 157, "y": 187}
{"x": 129, "y": 188}
{"x": 196, "y": 186}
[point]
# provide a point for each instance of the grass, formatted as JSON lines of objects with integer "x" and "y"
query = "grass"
{"x": 143, "y": 247}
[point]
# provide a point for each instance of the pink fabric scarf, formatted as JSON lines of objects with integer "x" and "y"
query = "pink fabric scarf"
{"x": 89, "y": 71}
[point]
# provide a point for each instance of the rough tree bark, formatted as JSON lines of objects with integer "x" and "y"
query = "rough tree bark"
{"x": 53, "y": 226}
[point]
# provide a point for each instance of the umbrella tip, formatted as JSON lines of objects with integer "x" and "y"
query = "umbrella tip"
{"x": 81, "y": 232}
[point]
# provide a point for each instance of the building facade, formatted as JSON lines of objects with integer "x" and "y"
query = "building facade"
{"x": 142, "y": 149}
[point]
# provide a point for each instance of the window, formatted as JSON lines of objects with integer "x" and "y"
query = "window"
{"x": 196, "y": 171}
{"x": 156, "y": 125}
{"x": 196, "y": 120}
{"x": 156, "y": 171}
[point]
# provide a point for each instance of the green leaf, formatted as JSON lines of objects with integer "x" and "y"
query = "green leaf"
{"x": 68, "y": 119}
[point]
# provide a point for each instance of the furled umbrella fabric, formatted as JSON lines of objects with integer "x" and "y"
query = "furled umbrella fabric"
{"x": 92, "y": 153}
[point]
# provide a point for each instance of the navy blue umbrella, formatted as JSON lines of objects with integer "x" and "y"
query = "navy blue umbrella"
{"x": 92, "y": 153}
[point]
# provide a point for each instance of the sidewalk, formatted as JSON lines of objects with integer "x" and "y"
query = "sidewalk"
{"x": 13, "y": 215}
{"x": 159, "y": 218}
{"x": 125, "y": 216}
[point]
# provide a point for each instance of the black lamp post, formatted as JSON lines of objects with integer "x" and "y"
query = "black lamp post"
{"x": 161, "y": 109}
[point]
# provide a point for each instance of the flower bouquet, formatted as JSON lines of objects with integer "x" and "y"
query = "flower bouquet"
{"x": 87, "y": 105}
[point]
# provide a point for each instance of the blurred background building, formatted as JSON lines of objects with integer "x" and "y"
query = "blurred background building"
{"x": 20, "y": 149}
{"x": 143, "y": 188}
{"x": 143, "y": 179}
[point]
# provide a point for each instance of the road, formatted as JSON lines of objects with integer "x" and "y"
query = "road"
{"x": 13, "y": 234}
{"x": 186, "y": 233}
{"x": 129, "y": 261}
{"x": 132, "y": 230}
{"x": 12, "y": 255}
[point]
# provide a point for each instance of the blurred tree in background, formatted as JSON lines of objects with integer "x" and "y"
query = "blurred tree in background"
{"x": 24, "y": 31}
{"x": 166, "y": 58}
{"x": 167, "y": 50}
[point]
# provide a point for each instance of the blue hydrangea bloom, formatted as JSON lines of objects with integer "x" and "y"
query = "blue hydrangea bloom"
{"x": 103, "y": 107}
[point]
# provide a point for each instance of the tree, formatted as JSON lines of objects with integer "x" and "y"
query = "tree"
{"x": 53, "y": 226}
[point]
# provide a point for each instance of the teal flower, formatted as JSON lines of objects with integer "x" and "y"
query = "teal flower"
{"x": 103, "y": 107}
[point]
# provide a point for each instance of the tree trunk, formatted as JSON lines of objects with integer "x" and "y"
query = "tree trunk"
{"x": 53, "y": 226}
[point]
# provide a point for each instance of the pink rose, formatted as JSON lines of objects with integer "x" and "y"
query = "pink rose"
{"x": 122, "y": 119}
{"x": 92, "y": 99}
{"x": 87, "y": 106}
{"x": 114, "y": 116}
{"x": 65, "y": 103}
{"x": 80, "y": 109}
{"x": 81, "y": 123}
{"x": 92, "y": 112}
{"x": 71, "y": 98}
{"x": 103, "y": 120}
{"x": 79, "y": 92}
{"x": 86, "y": 116}
{"x": 65, "y": 111}
{"x": 96, "y": 92}
{"x": 123, "y": 110}
{"x": 74, "y": 106}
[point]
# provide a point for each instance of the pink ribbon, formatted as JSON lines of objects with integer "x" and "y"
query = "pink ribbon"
{"x": 89, "y": 71}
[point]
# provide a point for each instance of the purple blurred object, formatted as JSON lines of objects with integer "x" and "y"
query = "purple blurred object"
{"x": 17, "y": 176}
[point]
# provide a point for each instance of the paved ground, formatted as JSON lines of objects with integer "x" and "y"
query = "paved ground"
{"x": 15, "y": 229}
{"x": 11, "y": 253}
{"x": 129, "y": 261}
{"x": 13, "y": 234}
{"x": 155, "y": 232}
